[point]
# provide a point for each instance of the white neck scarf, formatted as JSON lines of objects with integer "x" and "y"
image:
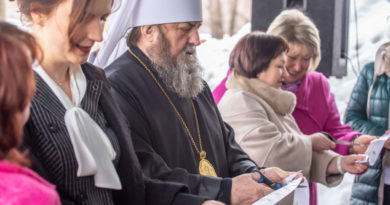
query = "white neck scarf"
{"x": 93, "y": 150}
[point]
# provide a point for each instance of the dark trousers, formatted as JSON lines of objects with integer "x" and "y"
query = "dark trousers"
{"x": 386, "y": 194}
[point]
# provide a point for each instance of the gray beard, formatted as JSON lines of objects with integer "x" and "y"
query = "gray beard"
{"x": 181, "y": 76}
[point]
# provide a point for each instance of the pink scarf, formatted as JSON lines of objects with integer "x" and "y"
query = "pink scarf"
{"x": 291, "y": 87}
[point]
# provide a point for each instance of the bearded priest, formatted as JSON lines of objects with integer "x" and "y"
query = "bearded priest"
{"x": 176, "y": 127}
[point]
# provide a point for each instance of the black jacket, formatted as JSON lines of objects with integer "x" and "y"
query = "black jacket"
{"x": 136, "y": 188}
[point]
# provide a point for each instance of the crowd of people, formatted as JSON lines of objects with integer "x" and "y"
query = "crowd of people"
{"x": 135, "y": 123}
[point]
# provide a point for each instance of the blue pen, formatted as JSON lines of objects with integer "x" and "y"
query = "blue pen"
{"x": 265, "y": 180}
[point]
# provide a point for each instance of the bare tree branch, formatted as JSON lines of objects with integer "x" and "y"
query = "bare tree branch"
{"x": 216, "y": 18}
{"x": 233, "y": 14}
{"x": 2, "y": 9}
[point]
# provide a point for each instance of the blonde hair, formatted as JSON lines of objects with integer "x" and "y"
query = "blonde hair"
{"x": 299, "y": 29}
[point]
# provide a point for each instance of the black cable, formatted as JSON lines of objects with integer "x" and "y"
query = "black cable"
{"x": 353, "y": 68}
{"x": 349, "y": 60}
{"x": 357, "y": 37}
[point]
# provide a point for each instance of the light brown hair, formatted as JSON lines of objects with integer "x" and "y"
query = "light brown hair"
{"x": 17, "y": 86}
{"x": 134, "y": 36}
{"x": 79, "y": 15}
{"x": 297, "y": 28}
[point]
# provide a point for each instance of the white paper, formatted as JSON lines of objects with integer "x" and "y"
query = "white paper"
{"x": 374, "y": 149}
{"x": 290, "y": 178}
{"x": 279, "y": 194}
{"x": 387, "y": 175}
{"x": 362, "y": 161}
{"x": 302, "y": 194}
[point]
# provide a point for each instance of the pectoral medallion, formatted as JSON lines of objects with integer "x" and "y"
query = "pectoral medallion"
{"x": 205, "y": 167}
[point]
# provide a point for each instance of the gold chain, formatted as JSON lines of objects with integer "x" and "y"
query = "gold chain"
{"x": 200, "y": 150}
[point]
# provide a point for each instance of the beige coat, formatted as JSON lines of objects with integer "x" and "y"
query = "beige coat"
{"x": 264, "y": 127}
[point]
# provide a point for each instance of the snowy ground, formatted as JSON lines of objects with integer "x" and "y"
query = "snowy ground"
{"x": 373, "y": 29}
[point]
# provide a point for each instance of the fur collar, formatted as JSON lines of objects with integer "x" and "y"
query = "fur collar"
{"x": 282, "y": 102}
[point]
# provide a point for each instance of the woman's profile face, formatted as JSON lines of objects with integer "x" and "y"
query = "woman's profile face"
{"x": 55, "y": 31}
{"x": 297, "y": 63}
{"x": 272, "y": 75}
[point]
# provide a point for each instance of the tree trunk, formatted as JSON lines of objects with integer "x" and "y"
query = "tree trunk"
{"x": 233, "y": 14}
{"x": 2, "y": 9}
{"x": 216, "y": 18}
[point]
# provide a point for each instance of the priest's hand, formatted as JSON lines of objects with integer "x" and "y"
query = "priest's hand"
{"x": 246, "y": 190}
{"x": 212, "y": 202}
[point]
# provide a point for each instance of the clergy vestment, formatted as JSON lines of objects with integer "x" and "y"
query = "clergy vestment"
{"x": 163, "y": 147}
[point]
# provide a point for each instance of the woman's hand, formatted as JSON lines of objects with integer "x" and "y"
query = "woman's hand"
{"x": 387, "y": 144}
{"x": 362, "y": 139}
{"x": 276, "y": 174}
{"x": 321, "y": 142}
{"x": 348, "y": 164}
{"x": 212, "y": 202}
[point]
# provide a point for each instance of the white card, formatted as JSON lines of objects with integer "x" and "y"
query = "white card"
{"x": 290, "y": 178}
{"x": 374, "y": 149}
{"x": 302, "y": 194}
{"x": 362, "y": 161}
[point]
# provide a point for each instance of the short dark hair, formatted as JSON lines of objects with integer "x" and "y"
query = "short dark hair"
{"x": 134, "y": 36}
{"x": 254, "y": 52}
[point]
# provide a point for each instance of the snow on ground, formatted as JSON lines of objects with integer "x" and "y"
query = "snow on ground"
{"x": 373, "y": 30}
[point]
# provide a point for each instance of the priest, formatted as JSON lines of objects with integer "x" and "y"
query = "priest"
{"x": 176, "y": 127}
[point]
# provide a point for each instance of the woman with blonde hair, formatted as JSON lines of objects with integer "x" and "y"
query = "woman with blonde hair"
{"x": 316, "y": 109}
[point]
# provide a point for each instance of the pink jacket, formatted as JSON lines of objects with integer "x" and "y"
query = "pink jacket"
{"x": 20, "y": 185}
{"x": 316, "y": 110}
{"x": 220, "y": 89}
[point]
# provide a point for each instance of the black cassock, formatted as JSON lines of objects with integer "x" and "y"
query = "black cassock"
{"x": 164, "y": 149}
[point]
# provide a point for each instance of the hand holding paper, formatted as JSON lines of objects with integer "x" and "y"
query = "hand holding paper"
{"x": 374, "y": 149}
{"x": 365, "y": 140}
{"x": 387, "y": 143}
{"x": 281, "y": 193}
{"x": 276, "y": 174}
{"x": 351, "y": 164}
{"x": 246, "y": 190}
